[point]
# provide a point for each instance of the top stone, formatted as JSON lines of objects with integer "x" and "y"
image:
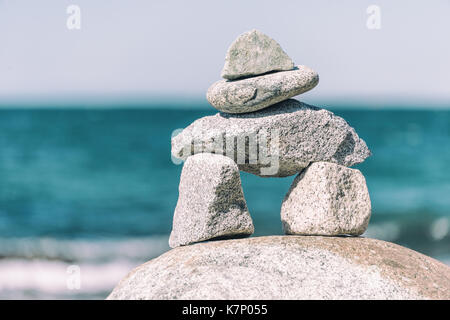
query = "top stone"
{"x": 254, "y": 53}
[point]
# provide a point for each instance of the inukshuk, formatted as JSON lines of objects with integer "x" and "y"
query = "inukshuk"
{"x": 261, "y": 130}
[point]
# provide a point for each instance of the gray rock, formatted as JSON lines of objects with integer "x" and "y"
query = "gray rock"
{"x": 327, "y": 199}
{"x": 257, "y": 93}
{"x": 254, "y": 53}
{"x": 277, "y": 141}
{"x": 288, "y": 267}
{"x": 211, "y": 203}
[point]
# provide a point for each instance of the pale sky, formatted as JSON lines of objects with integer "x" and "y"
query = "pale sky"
{"x": 142, "y": 48}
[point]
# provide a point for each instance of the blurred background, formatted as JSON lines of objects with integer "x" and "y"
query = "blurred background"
{"x": 88, "y": 106}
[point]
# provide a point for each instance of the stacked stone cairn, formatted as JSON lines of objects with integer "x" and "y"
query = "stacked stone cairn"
{"x": 260, "y": 130}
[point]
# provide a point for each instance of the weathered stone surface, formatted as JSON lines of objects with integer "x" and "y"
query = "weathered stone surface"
{"x": 289, "y": 135}
{"x": 288, "y": 267}
{"x": 254, "y": 53}
{"x": 327, "y": 199}
{"x": 211, "y": 203}
{"x": 257, "y": 93}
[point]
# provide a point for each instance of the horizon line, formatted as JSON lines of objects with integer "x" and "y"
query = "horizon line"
{"x": 197, "y": 102}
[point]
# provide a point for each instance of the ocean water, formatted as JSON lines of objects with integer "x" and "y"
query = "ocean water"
{"x": 96, "y": 189}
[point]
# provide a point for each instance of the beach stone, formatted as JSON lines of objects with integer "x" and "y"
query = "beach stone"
{"x": 288, "y": 267}
{"x": 254, "y": 53}
{"x": 327, "y": 199}
{"x": 277, "y": 141}
{"x": 252, "y": 94}
{"x": 211, "y": 202}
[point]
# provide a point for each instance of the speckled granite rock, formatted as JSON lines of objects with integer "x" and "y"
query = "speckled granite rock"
{"x": 254, "y": 53}
{"x": 257, "y": 93}
{"x": 289, "y": 135}
{"x": 327, "y": 199}
{"x": 211, "y": 203}
{"x": 288, "y": 267}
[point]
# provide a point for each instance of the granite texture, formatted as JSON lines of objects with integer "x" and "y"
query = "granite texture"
{"x": 277, "y": 141}
{"x": 252, "y": 94}
{"x": 327, "y": 199}
{"x": 211, "y": 203}
{"x": 288, "y": 267}
{"x": 254, "y": 53}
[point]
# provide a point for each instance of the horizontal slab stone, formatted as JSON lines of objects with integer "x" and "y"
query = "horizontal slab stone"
{"x": 277, "y": 141}
{"x": 252, "y": 94}
{"x": 327, "y": 199}
{"x": 288, "y": 267}
{"x": 211, "y": 203}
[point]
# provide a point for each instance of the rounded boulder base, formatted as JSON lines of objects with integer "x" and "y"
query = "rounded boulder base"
{"x": 256, "y": 93}
{"x": 327, "y": 199}
{"x": 288, "y": 267}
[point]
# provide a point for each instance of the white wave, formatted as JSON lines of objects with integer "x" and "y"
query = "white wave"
{"x": 21, "y": 279}
{"x": 440, "y": 228}
{"x": 83, "y": 249}
{"x": 39, "y": 268}
{"x": 388, "y": 231}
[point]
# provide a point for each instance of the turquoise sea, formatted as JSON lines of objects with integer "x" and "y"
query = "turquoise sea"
{"x": 96, "y": 188}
